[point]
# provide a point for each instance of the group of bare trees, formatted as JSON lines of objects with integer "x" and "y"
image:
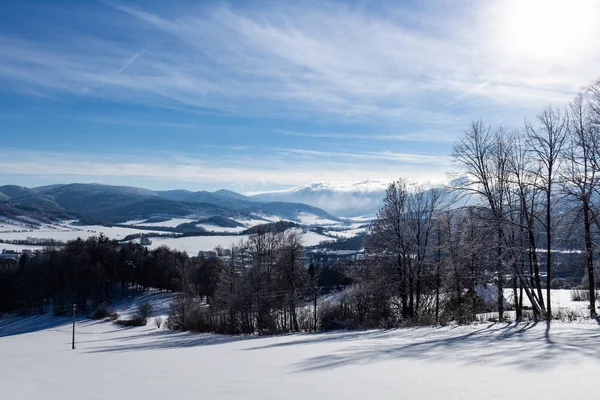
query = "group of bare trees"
{"x": 431, "y": 251}
{"x": 259, "y": 286}
{"x": 521, "y": 178}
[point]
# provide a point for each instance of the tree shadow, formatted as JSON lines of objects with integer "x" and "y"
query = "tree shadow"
{"x": 527, "y": 346}
{"x": 331, "y": 336}
{"x": 153, "y": 339}
{"x": 26, "y": 324}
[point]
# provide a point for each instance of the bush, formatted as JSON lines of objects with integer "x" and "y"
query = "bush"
{"x": 579, "y": 295}
{"x": 583, "y": 295}
{"x": 331, "y": 316}
{"x": 158, "y": 322}
{"x": 144, "y": 310}
{"x": 102, "y": 312}
{"x": 567, "y": 315}
{"x": 560, "y": 283}
{"x": 134, "y": 321}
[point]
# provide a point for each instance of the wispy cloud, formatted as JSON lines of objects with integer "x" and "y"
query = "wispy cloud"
{"x": 290, "y": 167}
{"x": 426, "y": 136}
{"x": 408, "y": 158}
{"x": 299, "y": 91}
{"x": 333, "y": 60}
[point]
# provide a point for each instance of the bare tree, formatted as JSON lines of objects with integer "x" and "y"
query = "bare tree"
{"x": 524, "y": 192}
{"x": 547, "y": 141}
{"x": 403, "y": 230}
{"x": 387, "y": 237}
{"x": 421, "y": 207}
{"x": 484, "y": 156}
{"x": 581, "y": 175}
{"x": 293, "y": 273}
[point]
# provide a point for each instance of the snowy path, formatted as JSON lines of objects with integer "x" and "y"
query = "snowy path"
{"x": 481, "y": 361}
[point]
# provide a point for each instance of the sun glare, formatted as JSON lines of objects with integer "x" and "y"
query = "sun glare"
{"x": 547, "y": 29}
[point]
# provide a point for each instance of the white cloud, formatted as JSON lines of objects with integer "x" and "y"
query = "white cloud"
{"x": 320, "y": 58}
{"x": 247, "y": 170}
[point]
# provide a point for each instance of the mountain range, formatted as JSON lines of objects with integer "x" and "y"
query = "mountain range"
{"x": 362, "y": 198}
{"x": 117, "y": 204}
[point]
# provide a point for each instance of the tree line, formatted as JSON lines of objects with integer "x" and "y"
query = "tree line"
{"x": 260, "y": 284}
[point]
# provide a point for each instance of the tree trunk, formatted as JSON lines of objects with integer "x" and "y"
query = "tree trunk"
{"x": 499, "y": 266}
{"x": 590, "y": 258}
{"x": 548, "y": 255}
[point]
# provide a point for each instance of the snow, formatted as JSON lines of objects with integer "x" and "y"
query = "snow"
{"x": 160, "y": 302}
{"x": 171, "y": 223}
{"x": 18, "y": 247}
{"x": 193, "y": 244}
{"x": 312, "y": 219}
{"x": 490, "y": 361}
{"x": 348, "y": 233}
{"x": 134, "y": 222}
{"x": 73, "y": 232}
{"x": 368, "y": 185}
{"x": 310, "y": 238}
{"x": 216, "y": 228}
{"x": 68, "y": 231}
{"x": 249, "y": 223}
{"x": 561, "y": 300}
{"x": 265, "y": 218}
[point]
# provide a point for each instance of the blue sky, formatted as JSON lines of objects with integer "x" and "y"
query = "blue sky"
{"x": 264, "y": 95}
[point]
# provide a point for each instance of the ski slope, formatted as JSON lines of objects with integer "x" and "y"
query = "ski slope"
{"x": 467, "y": 362}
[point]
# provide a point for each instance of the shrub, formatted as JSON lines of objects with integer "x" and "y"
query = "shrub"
{"x": 331, "y": 316}
{"x": 102, "y": 312}
{"x": 158, "y": 322}
{"x": 144, "y": 311}
{"x": 560, "y": 283}
{"x": 567, "y": 315}
{"x": 134, "y": 321}
{"x": 579, "y": 295}
{"x": 583, "y": 295}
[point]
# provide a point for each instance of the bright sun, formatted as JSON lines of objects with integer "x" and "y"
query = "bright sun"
{"x": 547, "y": 29}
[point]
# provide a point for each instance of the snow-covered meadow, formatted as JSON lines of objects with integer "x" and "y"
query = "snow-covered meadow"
{"x": 70, "y": 230}
{"x": 491, "y": 361}
{"x": 65, "y": 230}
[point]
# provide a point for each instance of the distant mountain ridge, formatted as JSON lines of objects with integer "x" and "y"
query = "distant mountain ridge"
{"x": 362, "y": 198}
{"x": 117, "y": 204}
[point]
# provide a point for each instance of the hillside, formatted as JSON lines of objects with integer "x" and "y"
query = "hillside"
{"x": 117, "y": 204}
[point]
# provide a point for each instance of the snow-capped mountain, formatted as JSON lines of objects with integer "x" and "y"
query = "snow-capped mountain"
{"x": 342, "y": 199}
{"x": 346, "y": 199}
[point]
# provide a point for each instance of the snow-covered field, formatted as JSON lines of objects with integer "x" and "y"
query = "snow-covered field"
{"x": 70, "y": 230}
{"x": 347, "y": 233}
{"x": 311, "y": 219}
{"x": 488, "y": 361}
{"x": 310, "y": 238}
{"x": 66, "y": 230}
{"x": 216, "y": 228}
{"x": 193, "y": 244}
{"x": 170, "y": 223}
